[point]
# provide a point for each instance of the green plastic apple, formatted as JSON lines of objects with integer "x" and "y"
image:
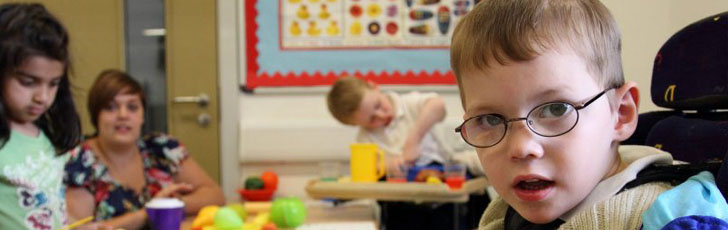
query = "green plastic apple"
{"x": 239, "y": 209}
{"x": 288, "y": 212}
{"x": 227, "y": 219}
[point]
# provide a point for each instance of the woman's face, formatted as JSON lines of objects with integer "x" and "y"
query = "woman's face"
{"x": 121, "y": 120}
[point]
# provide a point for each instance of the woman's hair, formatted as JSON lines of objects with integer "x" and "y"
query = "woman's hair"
{"x": 26, "y": 31}
{"x": 108, "y": 84}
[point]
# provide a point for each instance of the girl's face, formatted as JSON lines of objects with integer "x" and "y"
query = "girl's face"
{"x": 121, "y": 120}
{"x": 31, "y": 89}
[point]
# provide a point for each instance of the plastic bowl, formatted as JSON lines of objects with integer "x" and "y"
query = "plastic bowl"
{"x": 257, "y": 195}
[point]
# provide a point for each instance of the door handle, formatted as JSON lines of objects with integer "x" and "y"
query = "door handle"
{"x": 202, "y": 100}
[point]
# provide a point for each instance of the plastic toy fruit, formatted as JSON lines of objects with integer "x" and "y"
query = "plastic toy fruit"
{"x": 205, "y": 217}
{"x": 269, "y": 226}
{"x": 425, "y": 173}
{"x": 227, "y": 219}
{"x": 287, "y": 212}
{"x": 239, "y": 209}
{"x": 270, "y": 179}
{"x": 253, "y": 183}
{"x": 433, "y": 180}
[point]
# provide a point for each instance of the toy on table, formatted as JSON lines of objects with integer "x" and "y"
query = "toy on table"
{"x": 230, "y": 217}
{"x": 219, "y": 218}
{"x": 452, "y": 174}
{"x": 288, "y": 212}
{"x": 259, "y": 188}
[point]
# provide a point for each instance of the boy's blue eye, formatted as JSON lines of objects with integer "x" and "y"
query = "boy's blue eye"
{"x": 486, "y": 121}
{"x": 554, "y": 110}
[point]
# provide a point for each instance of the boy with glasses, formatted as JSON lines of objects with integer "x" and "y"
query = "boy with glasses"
{"x": 546, "y": 106}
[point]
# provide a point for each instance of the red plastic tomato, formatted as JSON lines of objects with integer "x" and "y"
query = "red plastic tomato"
{"x": 270, "y": 179}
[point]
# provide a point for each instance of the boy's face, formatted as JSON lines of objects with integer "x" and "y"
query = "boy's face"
{"x": 543, "y": 177}
{"x": 375, "y": 110}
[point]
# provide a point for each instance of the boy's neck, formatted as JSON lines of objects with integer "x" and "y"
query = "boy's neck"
{"x": 618, "y": 166}
{"x": 27, "y": 128}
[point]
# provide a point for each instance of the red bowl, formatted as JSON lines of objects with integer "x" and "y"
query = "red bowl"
{"x": 257, "y": 195}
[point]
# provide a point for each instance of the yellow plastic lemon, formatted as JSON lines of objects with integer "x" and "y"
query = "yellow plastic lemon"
{"x": 433, "y": 180}
{"x": 205, "y": 217}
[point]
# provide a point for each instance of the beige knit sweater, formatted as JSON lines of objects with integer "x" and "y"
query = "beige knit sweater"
{"x": 623, "y": 211}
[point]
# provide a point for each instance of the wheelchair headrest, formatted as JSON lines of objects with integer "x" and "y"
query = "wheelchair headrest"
{"x": 690, "y": 71}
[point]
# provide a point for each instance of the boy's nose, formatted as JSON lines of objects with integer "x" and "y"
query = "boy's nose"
{"x": 521, "y": 143}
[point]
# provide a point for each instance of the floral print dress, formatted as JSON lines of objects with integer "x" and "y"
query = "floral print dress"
{"x": 161, "y": 155}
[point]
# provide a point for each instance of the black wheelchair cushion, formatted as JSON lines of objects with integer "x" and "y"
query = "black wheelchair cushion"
{"x": 690, "y": 139}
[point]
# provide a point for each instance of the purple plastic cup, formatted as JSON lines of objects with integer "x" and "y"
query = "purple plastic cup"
{"x": 165, "y": 213}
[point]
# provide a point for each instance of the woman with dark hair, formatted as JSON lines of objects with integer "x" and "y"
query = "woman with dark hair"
{"x": 114, "y": 173}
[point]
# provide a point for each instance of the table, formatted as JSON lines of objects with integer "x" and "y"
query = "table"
{"x": 412, "y": 191}
{"x": 359, "y": 215}
{"x": 409, "y": 192}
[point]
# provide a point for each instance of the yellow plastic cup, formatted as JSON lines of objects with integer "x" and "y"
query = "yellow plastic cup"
{"x": 367, "y": 162}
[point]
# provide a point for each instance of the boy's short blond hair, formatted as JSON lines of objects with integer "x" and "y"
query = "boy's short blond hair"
{"x": 345, "y": 96}
{"x": 520, "y": 30}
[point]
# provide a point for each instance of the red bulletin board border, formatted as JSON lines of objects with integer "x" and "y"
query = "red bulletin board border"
{"x": 254, "y": 79}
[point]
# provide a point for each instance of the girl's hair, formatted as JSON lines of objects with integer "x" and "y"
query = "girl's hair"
{"x": 28, "y": 30}
{"x": 108, "y": 84}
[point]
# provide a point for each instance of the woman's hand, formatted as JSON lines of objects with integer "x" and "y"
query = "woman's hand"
{"x": 174, "y": 190}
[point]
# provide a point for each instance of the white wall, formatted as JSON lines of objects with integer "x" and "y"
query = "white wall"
{"x": 290, "y": 130}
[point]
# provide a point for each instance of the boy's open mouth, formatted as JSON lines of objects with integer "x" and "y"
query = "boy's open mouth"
{"x": 534, "y": 184}
{"x": 532, "y": 187}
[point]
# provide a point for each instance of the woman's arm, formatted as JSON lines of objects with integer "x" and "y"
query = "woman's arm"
{"x": 205, "y": 192}
{"x": 80, "y": 204}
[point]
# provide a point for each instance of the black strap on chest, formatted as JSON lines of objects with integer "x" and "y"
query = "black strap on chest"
{"x": 673, "y": 174}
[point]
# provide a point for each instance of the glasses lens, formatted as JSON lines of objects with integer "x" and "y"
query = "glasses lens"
{"x": 552, "y": 119}
{"x": 483, "y": 131}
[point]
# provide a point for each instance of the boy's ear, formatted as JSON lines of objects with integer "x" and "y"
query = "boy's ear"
{"x": 627, "y": 104}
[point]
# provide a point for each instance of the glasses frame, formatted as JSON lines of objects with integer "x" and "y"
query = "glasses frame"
{"x": 529, "y": 123}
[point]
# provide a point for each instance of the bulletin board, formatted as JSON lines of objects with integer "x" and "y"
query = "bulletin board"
{"x": 314, "y": 42}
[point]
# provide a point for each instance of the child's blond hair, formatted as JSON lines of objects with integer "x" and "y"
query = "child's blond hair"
{"x": 345, "y": 96}
{"x": 520, "y": 30}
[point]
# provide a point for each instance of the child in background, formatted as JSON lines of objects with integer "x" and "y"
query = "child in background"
{"x": 403, "y": 126}
{"x": 39, "y": 121}
{"x": 546, "y": 106}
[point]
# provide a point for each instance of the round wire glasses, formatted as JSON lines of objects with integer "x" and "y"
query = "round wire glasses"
{"x": 548, "y": 120}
